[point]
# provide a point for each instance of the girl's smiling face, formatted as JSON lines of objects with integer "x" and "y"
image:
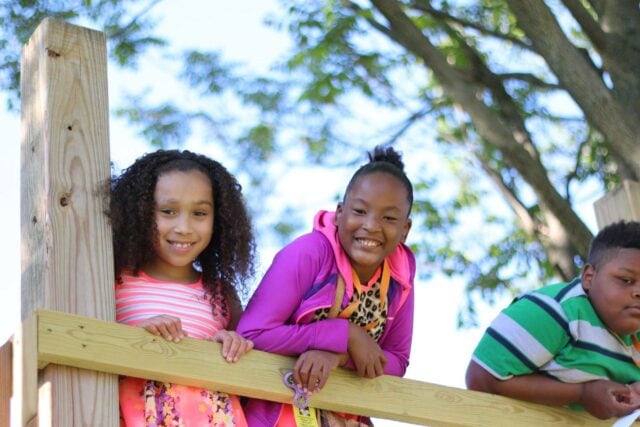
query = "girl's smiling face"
{"x": 184, "y": 213}
{"x": 372, "y": 221}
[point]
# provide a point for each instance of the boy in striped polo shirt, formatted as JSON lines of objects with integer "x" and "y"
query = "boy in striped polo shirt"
{"x": 575, "y": 343}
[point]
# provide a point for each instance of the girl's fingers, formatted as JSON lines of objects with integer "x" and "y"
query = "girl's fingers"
{"x": 152, "y": 329}
{"x": 379, "y": 368}
{"x": 301, "y": 373}
{"x": 319, "y": 382}
{"x": 233, "y": 348}
{"x": 246, "y": 346}
{"x": 168, "y": 327}
{"x": 167, "y": 334}
{"x": 175, "y": 331}
{"x": 225, "y": 338}
{"x": 296, "y": 375}
{"x": 304, "y": 380}
{"x": 233, "y": 345}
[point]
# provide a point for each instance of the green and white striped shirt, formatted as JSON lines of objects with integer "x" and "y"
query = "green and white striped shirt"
{"x": 556, "y": 331}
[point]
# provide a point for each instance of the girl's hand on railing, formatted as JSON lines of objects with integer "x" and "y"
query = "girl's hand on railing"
{"x": 313, "y": 367}
{"x": 166, "y": 326}
{"x": 366, "y": 354}
{"x": 234, "y": 345}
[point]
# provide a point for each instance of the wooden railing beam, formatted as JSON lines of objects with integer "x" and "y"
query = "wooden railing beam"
{"x": 92, "y": 344}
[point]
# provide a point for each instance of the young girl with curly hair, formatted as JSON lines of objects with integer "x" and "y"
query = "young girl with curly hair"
{"x": 183, "y": 247}
{"x": 341, "y": 295}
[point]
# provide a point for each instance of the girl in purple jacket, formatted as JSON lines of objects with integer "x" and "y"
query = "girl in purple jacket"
{"x": 341, "y": 295}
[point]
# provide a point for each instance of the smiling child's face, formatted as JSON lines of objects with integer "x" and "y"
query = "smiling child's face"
{"x": 184, "y": 215}
{"x": 614, "y": 290}
{"x": 372, "y": 221}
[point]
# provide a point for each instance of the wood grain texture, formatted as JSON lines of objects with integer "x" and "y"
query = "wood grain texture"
{"x": 66, "y": 241}
{"x": 623, "y": 203}
{"x": 25, "y": 372}
{"x": 5, "y": 383}
{"x": 110, "y": 347}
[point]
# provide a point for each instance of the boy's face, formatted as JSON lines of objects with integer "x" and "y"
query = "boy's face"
{"x": 614, "y": 290}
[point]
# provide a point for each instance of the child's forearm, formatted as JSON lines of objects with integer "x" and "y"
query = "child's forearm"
{"x": 601, "y": 398}
{"x": 533, "y": 388}
{"x": 539, "y": 389}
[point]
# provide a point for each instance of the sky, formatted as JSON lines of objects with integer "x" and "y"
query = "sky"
{"x": 440, "y": 351}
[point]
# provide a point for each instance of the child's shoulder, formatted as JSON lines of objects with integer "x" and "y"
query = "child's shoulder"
{"x": 310, "y": 246}
{"x": 557, "y": 297}
{"x": 308, "y": 242}
{"x": 562, "y": 291}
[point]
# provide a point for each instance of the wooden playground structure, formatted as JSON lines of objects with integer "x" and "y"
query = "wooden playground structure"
{"x": 62, "y": 364}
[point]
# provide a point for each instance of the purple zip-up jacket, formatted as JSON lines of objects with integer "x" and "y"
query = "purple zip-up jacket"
{"x": 302, "y": 279}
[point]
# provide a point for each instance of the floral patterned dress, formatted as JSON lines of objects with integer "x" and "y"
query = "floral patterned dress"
{"x": 155, "y": 403}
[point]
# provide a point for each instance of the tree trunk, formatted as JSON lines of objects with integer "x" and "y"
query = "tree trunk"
{"x": 601, "y": 106}
{"x": 567, "y": 234}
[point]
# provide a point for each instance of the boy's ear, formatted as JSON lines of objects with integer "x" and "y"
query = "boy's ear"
{"x": 587, "y": 276}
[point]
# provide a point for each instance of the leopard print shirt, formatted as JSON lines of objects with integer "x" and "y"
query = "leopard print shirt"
{"x": 368, "y": 310}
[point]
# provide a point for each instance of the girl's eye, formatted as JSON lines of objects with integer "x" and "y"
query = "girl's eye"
{"x": 390, "y": 219}
{"x": 627, "y": 280}
{"x": 167, "y": 211}
{"x": 201, "y": 213}
{"x": 358, "y": 211}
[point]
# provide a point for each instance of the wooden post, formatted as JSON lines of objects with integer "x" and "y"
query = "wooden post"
{"x": 621, "y": 203}
{"x": 5, "y": 382}
{"x": 66, "y": 240}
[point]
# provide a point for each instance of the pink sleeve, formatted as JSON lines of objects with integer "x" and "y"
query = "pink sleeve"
{"x": 267, "y": 318}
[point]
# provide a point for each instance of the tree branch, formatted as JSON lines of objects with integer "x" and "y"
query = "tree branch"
{"x": 375, "y": 24}
{"x": 124, "y": 30}
{"x": 574, "y": 171}
{"x": 527, "y": 221}
{"x": 406, "y": 124}
{"x": 587, "y": 23}
{"x": 443, "y": 16}
{"x": 531, "y": 79}
{"x": 580, "y": 79}
{"x": 498, "y": 130}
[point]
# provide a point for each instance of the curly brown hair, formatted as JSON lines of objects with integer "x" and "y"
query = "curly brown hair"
{"x": 228, "y": 260}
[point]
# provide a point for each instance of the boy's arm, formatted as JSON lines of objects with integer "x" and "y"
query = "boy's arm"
{"x": 601, "y": 398}
{"x": 531, "y": 387}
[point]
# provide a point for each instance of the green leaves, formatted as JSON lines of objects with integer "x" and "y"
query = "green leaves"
{"x": 494, "y": 138}
{"x": 163, "y": 126}
{"x": 126, "y": 23}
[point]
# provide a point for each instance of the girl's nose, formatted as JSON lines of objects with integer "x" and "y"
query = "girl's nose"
{"x": 182, "y": 225}
{"x": 371, "y": 222}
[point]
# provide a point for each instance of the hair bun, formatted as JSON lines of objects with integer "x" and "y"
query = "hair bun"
{"x": 386, "y": 154}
